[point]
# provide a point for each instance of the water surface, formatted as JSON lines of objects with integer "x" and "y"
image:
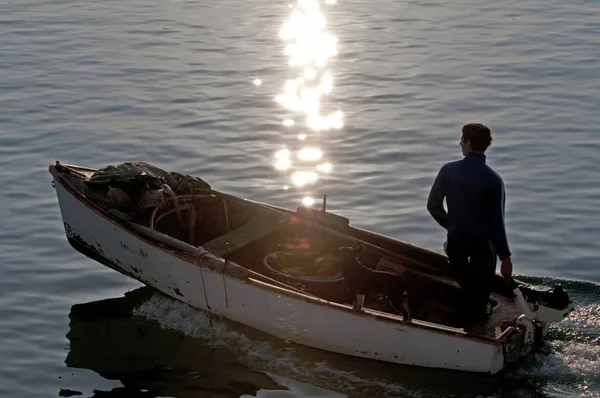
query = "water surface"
{"x": 200, "y": 87}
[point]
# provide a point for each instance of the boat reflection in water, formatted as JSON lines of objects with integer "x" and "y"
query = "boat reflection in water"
{"x": 150, "y": 362}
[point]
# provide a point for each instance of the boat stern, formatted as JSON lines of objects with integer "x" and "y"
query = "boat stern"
{"x": 541, "y": 306}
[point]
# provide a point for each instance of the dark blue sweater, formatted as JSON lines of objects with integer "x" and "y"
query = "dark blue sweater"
{"x": 475, "y": 199}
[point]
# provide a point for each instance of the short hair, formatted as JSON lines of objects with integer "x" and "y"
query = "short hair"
{"x": 479, "y": 135}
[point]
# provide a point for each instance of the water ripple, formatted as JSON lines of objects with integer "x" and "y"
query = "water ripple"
{"x": 173, "y": 83}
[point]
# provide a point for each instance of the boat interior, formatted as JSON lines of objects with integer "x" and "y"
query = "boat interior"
{"x": 290, "y": 247}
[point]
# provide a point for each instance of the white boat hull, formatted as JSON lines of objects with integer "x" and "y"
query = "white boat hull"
{"x": 279, "y": 312}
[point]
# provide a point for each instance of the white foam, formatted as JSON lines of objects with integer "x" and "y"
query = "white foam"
{"x": 576, "y": 359}
{"x": 573, "y": 354}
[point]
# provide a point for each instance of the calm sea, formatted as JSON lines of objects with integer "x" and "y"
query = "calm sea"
{"x": 283, "y": 102}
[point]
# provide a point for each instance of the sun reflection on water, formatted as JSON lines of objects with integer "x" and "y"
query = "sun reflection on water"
{"x": 309, "y": 47}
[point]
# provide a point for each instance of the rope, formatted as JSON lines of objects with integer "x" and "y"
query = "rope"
{"x": 199, "y": 253}
{"x": 226, "y": 214}
{"x": 223, "y": 275}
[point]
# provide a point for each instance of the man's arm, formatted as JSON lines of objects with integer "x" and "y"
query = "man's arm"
{"x": 498, "y": 228}
{"x": 435, "y": 202}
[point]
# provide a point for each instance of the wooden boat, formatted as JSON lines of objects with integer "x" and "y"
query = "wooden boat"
{"x": 267, "y": 267}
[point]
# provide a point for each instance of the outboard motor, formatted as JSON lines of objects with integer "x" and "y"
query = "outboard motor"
{"x": 541, "y": 305}
{"x": 551, "y": 304}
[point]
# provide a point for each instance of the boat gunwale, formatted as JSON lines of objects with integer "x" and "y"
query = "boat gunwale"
{"x": 194, "y": 260}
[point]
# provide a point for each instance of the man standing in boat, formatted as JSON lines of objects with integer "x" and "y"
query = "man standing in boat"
{"x": 474, "y": 196}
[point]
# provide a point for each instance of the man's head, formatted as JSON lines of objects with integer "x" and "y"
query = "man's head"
{"x": 476, "y": 137}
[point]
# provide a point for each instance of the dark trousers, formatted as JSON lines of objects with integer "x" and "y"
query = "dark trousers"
{"x": 474, "y": 266}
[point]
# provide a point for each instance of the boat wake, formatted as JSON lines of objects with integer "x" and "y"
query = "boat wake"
{"x": 567, "y": 359}
{"x": 570, "y": 361}
{"x": 568, "y": 365}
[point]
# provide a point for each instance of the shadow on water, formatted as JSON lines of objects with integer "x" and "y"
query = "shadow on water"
{"x": 150, "y": 361}
{"x": 156, "y": 346}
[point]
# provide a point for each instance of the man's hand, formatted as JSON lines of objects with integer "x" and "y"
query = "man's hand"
{"x": 506, "y": 269}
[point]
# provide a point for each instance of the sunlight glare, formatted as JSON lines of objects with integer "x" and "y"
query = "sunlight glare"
{"x": 310, "y": 154}
{"x": 283, "y": 164}
{"x": 283, "y": 154}
{"x": 309, "y": 47}
{"x": 302, "y": 178}
{"x": 283, "y": 159}
{"x": 325, "y": 167}
{"x": 308, "y": 201}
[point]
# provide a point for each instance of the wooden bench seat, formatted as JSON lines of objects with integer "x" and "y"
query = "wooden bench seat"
{"x": 242, "y": 236}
